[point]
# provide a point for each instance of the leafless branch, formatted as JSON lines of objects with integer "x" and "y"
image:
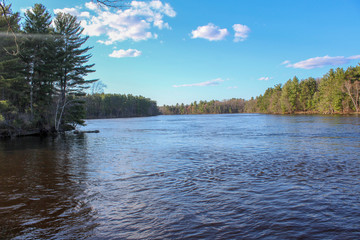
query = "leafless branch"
{"x": 10, "y": 29}
{"x": 112, "y": 3}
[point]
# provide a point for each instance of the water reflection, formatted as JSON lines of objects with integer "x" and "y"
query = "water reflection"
{"x": 243, "y": 176}
{"x": 43, "y": 188}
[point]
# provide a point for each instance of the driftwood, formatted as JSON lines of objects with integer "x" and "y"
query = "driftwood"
{"x": 78, "y": 132}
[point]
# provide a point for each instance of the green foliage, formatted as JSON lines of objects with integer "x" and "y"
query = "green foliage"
{"x": 352, "y": 89}
{"x": 308, "y": 87}
{"x": 70, "y": 70}
{"x": 42, "y": 83}
{"x": 38, "y": 55}
{"x": 289, "y": 96}
{"x": 331, "y": 92}
{"x": 204, "y": 107}
{"x": 338, "y": 91}
{"x": 12, "y": 83}
{"x": 118, "y": 105}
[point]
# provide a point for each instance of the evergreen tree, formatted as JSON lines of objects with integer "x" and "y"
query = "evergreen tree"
{"x": 307, "y": 89}
{"x": 70, "y": 71}
{"x": 38, "y": 54}
{"x": 12, "y": 84}
{"x": 331, "y": 95}
{"x": 289, "y": 96}
{"x": 275, "y": 104}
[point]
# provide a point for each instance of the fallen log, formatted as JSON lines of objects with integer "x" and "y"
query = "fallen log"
{"x": 78, "y": 132}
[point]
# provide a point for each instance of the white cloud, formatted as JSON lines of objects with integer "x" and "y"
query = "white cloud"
{"x": 241, "y": 32}
{"x": 234, "y": 87}
{"x": 318, "y": 62}
{"x": 285, "y": 62}
{"x": 213, "y": 82}
{"x": 125, "y": 53}
{"x": 85, "y": 14}
{"x": 354, "y": 57}
{"x": 133, "y": 23}
{"x": 265, "y": 78}
{"x": 74, "y": 12}
{"x": 210, "y": 32}
{"x": 92, "y": 6}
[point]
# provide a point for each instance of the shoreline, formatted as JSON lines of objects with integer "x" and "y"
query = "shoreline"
{"x": 8, "y": 134}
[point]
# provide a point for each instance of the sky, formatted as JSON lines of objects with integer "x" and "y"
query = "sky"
{"x": 180, "y": 51}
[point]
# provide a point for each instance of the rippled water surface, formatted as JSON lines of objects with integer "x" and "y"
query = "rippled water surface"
{"x": 241, "y": 176}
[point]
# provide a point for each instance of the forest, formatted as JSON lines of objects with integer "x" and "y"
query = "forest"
{"x": 337, "y": 92}
{"x": 43, "y": 70}
{"x": 100, "y": 105}
{"x": 206, "y": 107}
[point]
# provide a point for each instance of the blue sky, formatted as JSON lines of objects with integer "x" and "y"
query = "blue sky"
{"x": 180, "y": 51}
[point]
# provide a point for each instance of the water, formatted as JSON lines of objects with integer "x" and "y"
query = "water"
{"x": 241, "y": 176}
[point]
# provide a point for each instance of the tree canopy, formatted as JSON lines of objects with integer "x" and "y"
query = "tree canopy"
{"x": 44, "y": 64}
{"x": 40, "y": 86}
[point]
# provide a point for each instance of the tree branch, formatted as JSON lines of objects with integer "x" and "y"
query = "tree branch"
{"x": 112, "y": 3}
{"x": 3, "y": 9}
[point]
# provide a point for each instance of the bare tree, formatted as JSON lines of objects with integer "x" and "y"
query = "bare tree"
{"x": 98, "y": 87}
{"x": 353, "y": 90}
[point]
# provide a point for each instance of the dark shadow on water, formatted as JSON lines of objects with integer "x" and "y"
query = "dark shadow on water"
{"x": 42, "y": 193}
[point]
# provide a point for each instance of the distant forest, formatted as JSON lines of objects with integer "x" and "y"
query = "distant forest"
{"x": 118, "y": 105}
{"x": 336, "y": 92}
{"x": 205, "y": 107}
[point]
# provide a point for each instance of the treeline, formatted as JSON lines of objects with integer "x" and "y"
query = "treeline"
{"x": 338, "y": 91}
{"x": 118, "y": 106}
{"x": 205, "y": 107}
{"x": 42, "y": 71}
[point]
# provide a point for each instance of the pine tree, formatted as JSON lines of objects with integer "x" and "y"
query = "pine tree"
{"x": 12, "y": 84}
{"x": 38, "y": 53}
{"x": 70, "y": 72}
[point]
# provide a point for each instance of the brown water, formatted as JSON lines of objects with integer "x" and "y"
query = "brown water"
{"x": 241, "y": 176}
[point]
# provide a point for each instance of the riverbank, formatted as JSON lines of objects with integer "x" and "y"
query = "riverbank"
{"x": 294, "y": 113}
{"x": 12, "y": 133}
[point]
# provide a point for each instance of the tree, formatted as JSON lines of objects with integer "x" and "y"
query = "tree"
{"x": 275, "y": 104}
{"x": 352, "y": 86}
{"x": 70, "y": 71}
{"x": 331, "y": 95}
{"x": 251, "y": 105}
{"x": 8, "y": 62}
{"x": 12, "y": 82}
{"x": 98, "y": 87}
{"x": 307, "y": 88}
{"x": 264, "y": 100}
{"x": 289, "y": 95}
{"x": 37, "y": 53}
{"x": 7, "y": 18}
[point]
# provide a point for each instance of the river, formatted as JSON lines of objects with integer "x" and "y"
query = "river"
{"x": 238, "y": 176}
